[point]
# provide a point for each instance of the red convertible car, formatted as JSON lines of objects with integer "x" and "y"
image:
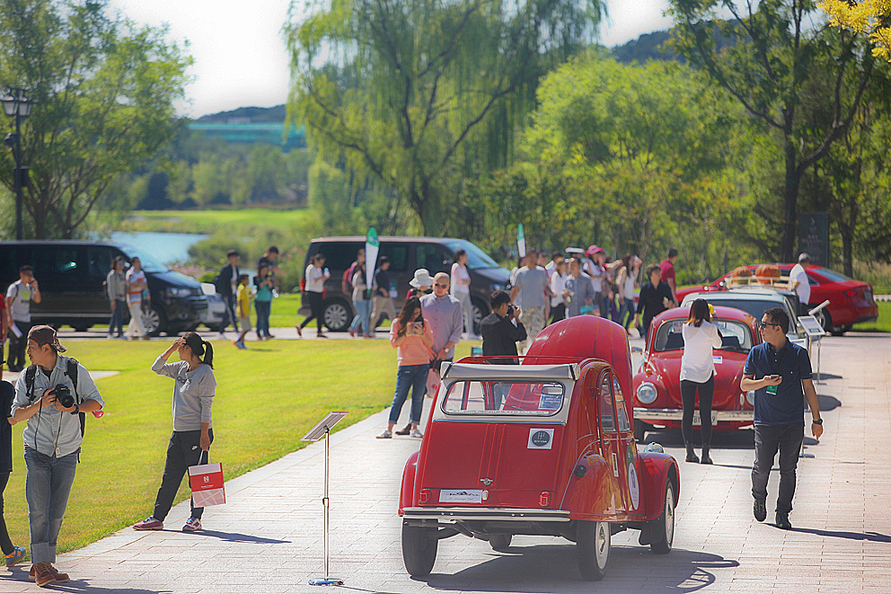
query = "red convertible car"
{"x": 850, "y": 301}
{"x": 657, "y": 386}
{"x": 542, "y": 448}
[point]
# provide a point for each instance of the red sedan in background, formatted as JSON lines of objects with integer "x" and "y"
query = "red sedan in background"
{"x": 850, "y": 301}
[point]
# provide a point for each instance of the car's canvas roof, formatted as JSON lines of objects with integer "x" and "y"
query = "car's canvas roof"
{"x": 453, "y": 371}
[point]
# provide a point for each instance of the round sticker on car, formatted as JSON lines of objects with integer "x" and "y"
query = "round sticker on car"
{"x": 540, "y": 439}
{"x": 633, "y": 486}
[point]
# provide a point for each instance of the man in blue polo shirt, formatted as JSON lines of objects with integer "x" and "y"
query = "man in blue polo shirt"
{"x": 782, "y": 369}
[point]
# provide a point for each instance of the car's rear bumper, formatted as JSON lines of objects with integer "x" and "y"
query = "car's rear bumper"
{"x": 464, "y": 514}
{"x": 673, "y": 414}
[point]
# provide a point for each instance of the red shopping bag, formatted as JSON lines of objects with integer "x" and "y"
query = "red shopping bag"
{"x": 206, "y": 481}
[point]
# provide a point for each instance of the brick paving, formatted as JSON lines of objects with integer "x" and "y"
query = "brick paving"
{"x": 268, "y": 537}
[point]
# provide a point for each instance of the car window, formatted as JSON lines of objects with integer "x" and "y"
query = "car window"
{"x": 150, "y": 264}
{"x": 339, "y": 255}
{"x": 621, "y": 414}
{"x": 59, "y": 262}
{"x": 607, "y": 417}
{"x": 398, "y": 254}
{"x": 736, "y": 336}
{"x": 100, "y": 261}
{"x": 669, "y": 337}
{"x": 434, "y": 258}
{"x": 834, "y": 276}
{"x": 476, "y": 258}
{"x": 504, "y": 398}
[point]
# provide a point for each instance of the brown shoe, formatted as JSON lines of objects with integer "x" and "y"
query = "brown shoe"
{"x": 45, "y": 575}
{"x": 60, "y": 577}
{"x": 404, "y": 431}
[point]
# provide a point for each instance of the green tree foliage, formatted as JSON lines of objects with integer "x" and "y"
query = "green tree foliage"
{"x": 104, "y": 90}
{"x": 779, "y": 45}
{"x": 399, "y": 89}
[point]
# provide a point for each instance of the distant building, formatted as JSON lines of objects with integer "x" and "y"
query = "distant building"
{"x": 243, "y": 131}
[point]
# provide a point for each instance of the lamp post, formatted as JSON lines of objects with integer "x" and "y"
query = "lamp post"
{"x": 17, "y": 105}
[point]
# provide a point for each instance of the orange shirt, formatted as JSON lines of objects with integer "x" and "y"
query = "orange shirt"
{"x": 412, "y": 351}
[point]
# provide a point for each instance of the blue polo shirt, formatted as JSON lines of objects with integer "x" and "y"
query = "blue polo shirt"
{"x": 792, "y": 362}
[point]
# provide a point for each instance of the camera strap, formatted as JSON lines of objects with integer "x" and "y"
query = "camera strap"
{"x": 71, "y": 372}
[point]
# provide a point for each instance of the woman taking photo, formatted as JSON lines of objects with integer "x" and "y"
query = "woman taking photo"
{"x": 193, "y": 390}
{"x": 413, "y": 340}
{"x": 698, "y": 375}
{"x": 315, "y": 289}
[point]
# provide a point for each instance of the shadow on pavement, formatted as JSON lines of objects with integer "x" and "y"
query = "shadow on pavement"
{"x": 828, "y": 402}
{"x": 553, "y": 568}
{"x": 235, "y": 537}
{"x": 735, "y": 439}
{"x": 870, "y": 536}
{"x": 84, "y": 586}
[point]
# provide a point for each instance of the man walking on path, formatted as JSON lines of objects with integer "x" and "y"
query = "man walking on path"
{"x": 798, "y": 282}
{"x": 381, "y": 299}
{"x": 227, "y": 285}
{"x": 666, "y": 267}
{"x": 529, "y": 291}
{"x": 18, "y": 300}
{"x": 782, "y": 369}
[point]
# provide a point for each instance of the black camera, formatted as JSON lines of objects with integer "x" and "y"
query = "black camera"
{"x": 63, "y": 395}
{"x": 510, "y": 309}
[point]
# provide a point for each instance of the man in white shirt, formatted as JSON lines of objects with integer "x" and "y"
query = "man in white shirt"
{"x": 798, "y": 282}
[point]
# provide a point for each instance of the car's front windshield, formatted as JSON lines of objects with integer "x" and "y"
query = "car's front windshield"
{"x": 148, "y": 261}
{"x": 736, "y": 336}
{"x": 478, "y": 397}
{"x": 476, "y": 258}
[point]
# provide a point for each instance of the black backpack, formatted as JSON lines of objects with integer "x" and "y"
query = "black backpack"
{"x": 31, "y": 372}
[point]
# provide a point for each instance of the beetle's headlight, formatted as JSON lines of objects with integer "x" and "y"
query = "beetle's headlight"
{"x": 646, "y": 393}
{"x": 750, "y": 397}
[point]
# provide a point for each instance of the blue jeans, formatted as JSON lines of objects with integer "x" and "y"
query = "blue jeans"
{"x": 626, "y": 312}
{"x": 117, "y": 317}
{"x": 363, "y": 316}
{"x": 47, "y": 487}
{"x": 412, "y": 377}
{"x": 264, "y": 308}
{"x": 768, "y": 439}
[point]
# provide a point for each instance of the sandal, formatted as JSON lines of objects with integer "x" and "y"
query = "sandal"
{"x": 385, "y": 435}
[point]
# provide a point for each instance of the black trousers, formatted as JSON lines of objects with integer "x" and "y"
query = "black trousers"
{"x": 558, "y": 313}
{"x": 184, "y": 450}
{"x": 768, "y": 440}
{"x": 317, "y": 309}
{"x": 688, "y": 395}
{"x": 15, "y": 361}
{"x": 5, "y": 544}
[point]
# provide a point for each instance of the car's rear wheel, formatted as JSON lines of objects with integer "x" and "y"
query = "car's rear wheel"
{"x": 500, "y": 542}
{"x": 419, "y": 547}
{"x": 153, "y": 320}
{"x": 592, "y": 545}
{"x": 337, "y": 315}
{"x": 825, "y": 319}
{"x": 665, "y": 522}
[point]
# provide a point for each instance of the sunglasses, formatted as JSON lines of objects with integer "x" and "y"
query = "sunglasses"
{"x": 441, "y": 286}
{"x": 766, "y": 324}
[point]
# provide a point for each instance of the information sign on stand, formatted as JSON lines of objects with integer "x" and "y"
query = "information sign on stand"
{"x": 322, "y": 429}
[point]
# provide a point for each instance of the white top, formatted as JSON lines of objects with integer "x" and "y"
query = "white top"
{"x": 626, "y": 283}
{"x": 460, "y": 281}
{"x": 315, "y": 279}
{"x": 804, "y": 288}
{"x": 558, "y": 285}
{"x": 697, "y": 364}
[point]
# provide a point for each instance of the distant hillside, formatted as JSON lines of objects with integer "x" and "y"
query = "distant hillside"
{"x": 649, "y": 46}
{"x": 247, "y": 115}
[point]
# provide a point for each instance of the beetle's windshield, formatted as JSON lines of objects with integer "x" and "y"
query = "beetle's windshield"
{"x": 476, "y": 397}
{"x": 735, "y": 336}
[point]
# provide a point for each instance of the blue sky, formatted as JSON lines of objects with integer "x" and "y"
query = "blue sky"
{"x": 240, "y": 56}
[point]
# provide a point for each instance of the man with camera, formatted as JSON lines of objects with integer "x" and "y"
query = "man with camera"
{"x": 51, "y": 396}
{"x": 18, "y": 300}
{"x": 502, "y": 330}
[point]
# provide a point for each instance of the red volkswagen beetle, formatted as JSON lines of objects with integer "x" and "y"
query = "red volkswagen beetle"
{"x": 850, "y": 301}
{"x": 542, "y": 448}
{"x": 657, "y": 386}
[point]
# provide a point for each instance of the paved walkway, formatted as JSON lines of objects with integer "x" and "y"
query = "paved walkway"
{"x": 268, "y": 538}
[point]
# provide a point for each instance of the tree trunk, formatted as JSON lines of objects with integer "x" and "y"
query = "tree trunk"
{"x": 790, "y": 204}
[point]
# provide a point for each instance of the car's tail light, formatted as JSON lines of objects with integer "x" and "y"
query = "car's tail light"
{"x": 851, "y": 293}
{"x": 544, "y": 499}
{"x": 424, "y": 496}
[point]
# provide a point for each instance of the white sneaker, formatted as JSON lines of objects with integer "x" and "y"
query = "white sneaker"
{"x": 416, "y": 433}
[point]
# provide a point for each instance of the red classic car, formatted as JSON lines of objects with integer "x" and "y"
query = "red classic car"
{"x": 657, "y": 386}
{"x": 850, "y": 301}
{"x": 542, "y": 448}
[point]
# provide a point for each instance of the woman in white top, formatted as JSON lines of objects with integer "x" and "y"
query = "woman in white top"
{"x": 460, "y": 289}
{"x": 698, "y": 374}
{"x": 625, "y": 280}
{"x": 316, "y": 275}
{"x": 558, "y": 287}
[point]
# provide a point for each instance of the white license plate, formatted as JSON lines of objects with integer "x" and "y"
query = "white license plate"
{"x": 697, "y": 420}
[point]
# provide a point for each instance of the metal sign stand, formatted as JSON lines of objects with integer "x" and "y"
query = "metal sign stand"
{"x": 322, "y": 429}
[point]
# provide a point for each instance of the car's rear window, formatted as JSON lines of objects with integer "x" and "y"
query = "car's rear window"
{"x": 476, "y": 258}
{"x": 836, "y": 277}
{"x": 736, "y": 336}
{"x": 504, "y": 398}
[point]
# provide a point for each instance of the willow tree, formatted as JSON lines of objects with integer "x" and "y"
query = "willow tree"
{"x": 104, "y": 89}
{"x": 397, "y": 89}
{"x": 775, "y": 47}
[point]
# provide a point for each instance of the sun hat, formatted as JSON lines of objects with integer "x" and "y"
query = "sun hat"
{"x": 593, "y": 249}
{"x": 46, "y": 335}
{"x": 422, "y": 279}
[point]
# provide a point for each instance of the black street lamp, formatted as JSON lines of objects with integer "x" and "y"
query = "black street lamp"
{"x": 18, "y": 106}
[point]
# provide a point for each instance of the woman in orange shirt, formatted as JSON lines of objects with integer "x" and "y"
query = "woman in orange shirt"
{"x": 413, "y": 340}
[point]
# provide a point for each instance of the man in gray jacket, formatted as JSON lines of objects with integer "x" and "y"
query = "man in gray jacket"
{"x": 582, "y": 289}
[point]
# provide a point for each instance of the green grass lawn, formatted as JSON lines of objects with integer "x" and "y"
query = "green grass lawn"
{"x": 266, "y": 399}
{"x": 210, "y": 221}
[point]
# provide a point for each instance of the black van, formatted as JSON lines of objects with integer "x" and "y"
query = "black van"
{"x": 72, "y": 276}
{"x": 406, "y": 255}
